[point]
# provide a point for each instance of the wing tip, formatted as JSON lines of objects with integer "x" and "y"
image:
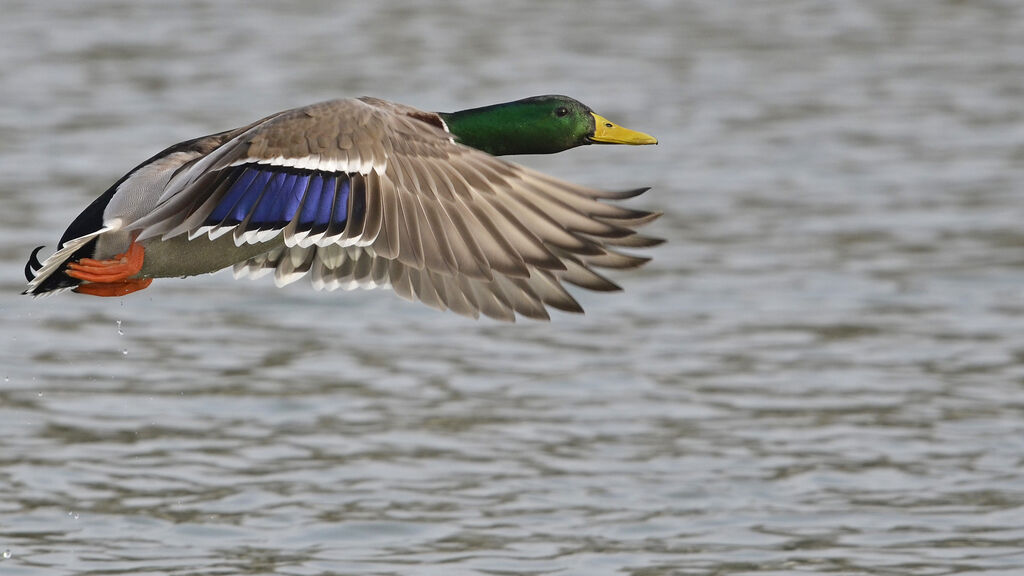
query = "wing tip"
{"x": 624, "y": 194}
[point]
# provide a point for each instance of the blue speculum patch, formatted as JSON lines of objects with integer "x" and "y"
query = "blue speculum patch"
{"x": 271, "y": 196}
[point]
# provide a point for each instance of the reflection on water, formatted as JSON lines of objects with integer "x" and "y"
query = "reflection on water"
{"x": 821, "y": 372}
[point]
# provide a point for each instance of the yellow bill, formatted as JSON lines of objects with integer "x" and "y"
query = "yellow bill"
{"x": 607, "y": 132}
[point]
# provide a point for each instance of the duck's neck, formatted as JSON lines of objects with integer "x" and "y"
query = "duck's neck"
{"x": 504, "y": 129}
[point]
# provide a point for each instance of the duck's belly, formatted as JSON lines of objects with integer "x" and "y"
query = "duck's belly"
{"x": 180, "y": 256}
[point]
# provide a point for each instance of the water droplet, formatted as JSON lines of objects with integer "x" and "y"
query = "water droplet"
{"x": 7, "y": 554}
{"x": 120, "y": 330}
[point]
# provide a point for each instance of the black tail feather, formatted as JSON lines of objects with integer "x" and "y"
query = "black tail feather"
{"x": 33, "y": 264}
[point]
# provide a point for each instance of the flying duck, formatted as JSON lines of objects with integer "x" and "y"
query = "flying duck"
{"x": 365, "y": 193}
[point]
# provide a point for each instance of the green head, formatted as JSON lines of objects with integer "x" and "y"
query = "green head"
{"x": 538, "y": 125}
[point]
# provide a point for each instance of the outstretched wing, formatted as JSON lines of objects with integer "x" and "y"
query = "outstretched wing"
{"x": 373, "y": 185}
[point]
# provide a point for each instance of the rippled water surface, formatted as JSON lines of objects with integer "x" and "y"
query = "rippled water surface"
{"x": 822, "y": 371}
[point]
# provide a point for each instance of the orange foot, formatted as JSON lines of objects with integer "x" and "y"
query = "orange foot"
{"x": 113, "y": 288}
{"x": 111, "y": 277}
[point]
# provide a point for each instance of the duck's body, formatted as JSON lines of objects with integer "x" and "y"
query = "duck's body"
{"x": 364, "y": 193}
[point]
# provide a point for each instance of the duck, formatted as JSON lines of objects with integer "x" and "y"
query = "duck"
{"x": 367, "y": 193}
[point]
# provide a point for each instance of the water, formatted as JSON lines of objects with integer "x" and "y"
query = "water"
{"x": 821, "y": 372}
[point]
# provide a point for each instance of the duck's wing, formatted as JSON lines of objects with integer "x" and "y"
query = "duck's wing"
{"x": 385, "y": 184}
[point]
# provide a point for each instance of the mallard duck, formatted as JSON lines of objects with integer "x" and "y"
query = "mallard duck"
{"x": 364, "y": 193}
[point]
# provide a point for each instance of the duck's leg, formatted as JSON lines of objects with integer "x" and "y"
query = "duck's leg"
{"x": 111, "y": 277}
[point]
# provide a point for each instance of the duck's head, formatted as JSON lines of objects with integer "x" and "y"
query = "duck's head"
{"x": 538, "y": 125}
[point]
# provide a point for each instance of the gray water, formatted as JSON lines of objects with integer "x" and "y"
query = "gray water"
{"x": 822, "y": 371}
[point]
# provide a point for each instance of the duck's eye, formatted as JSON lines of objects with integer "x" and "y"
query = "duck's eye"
{"x": 562, "y": 112}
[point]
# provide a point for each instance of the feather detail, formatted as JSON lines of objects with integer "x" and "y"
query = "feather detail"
{"x": 59, "y": 259}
